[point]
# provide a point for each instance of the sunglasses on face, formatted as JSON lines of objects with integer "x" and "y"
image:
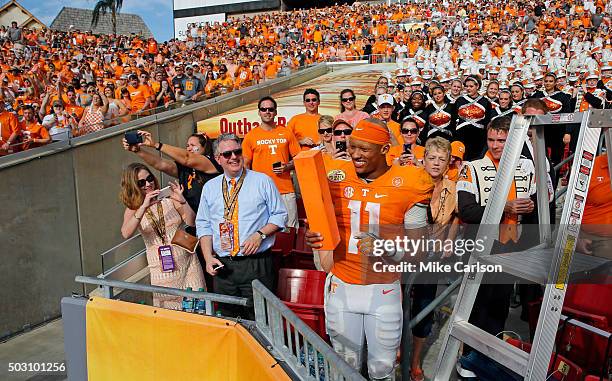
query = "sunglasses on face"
{"x": 341, "y": 132}
{"x": 148, "y": 179}
{"x": 349, "y": 99}
{"x": 311, "y": 100}
{"x": 325, "y": 130}
{"x": 228, "y": 154}
{"x": 267, "y": 109}
{"x": 408, "y": 131}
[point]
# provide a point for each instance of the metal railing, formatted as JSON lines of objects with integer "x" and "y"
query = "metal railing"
{"x": 209, "y": 298}
{"x": 303, "y": 351}
{"x": 104, "y": 257}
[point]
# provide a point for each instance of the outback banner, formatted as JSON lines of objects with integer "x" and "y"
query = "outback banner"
{"x": 361, "y": 79}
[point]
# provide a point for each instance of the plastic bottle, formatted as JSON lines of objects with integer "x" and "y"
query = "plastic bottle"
{"x": 200, "y": 304}
{"x": 188, "y": 302}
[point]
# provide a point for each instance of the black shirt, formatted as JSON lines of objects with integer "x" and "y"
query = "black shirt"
{"x": 193, "y": 181}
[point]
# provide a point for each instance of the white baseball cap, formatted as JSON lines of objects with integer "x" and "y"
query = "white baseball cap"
{"x": 385, "y": 99}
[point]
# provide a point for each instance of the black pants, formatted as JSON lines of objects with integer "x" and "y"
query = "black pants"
{"x": 235, "y": 279}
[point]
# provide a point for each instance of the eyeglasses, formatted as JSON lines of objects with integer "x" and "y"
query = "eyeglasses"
{"x": 311, "y": 100}
{"x": 409, "y": 131}
{"x": 340, "y": 132}
{"x": 267, "y": 109}
{"x": 222, "y": 71}
{"x": 325, "y": 130}
{"x": 228, "y": 154}
{"x": 349, "y": 99}
{"x": 143, "y": 182}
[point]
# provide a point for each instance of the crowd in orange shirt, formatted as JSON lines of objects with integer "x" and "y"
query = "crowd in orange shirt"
{"x": 100, "y": 80}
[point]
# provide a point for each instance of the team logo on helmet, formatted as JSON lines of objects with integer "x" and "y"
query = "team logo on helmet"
{"x": 397, "y": 182}
{"x": 349, "y": 192}
{"x": 336, "y": 175}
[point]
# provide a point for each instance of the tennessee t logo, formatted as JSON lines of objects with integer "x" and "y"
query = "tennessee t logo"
{"x": 273, "y": 148}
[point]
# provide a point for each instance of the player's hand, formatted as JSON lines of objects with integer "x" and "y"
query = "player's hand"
{"x": 313, "y": 239}
{"x": 365, "y": 243}
{"x": 519, "y": 206}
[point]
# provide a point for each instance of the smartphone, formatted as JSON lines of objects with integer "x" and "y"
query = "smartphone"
{"x": 133, "y": 138}
{"x": 340, "y": 146}
{"x": 276, "y": 165}
{"x": 217, "y": 267}
{"x": 164, "y": 193}
{"x": 407, "y": 148}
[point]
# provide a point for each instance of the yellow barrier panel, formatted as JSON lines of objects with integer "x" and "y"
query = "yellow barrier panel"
{"x": 133, "y": 342}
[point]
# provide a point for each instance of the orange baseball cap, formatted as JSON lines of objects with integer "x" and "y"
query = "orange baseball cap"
{"x": 457, "y": 149}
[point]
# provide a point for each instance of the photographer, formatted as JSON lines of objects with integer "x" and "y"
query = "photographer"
{"x": 158, "y": 220}
{"x": 193, "y": 165}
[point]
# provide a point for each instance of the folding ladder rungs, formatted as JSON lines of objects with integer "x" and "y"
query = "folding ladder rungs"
{"x": 535, "y": 264}
{"x": 492, "y": 347}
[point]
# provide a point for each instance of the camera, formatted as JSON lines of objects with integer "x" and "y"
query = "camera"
{"x": 133, "y": 138}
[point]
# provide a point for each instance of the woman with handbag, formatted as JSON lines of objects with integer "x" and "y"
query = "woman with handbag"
{"x": 159, "y": 221}
{"x": 193, "y": 166}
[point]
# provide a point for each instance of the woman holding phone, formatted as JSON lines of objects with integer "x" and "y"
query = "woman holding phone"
{"x": 408, "y": 153}
{"x": 158, "y": 219}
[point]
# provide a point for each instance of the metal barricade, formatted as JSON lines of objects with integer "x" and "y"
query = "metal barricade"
{"x": 209, "y": 298}
{"x": 303, "y": 351}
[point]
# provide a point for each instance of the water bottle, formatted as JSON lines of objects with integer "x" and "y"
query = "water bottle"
{"x": 188, "y": 302}
{"x": 200, "y": 304}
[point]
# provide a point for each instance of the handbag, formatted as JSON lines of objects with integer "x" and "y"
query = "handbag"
{"x": 185, "y": 240}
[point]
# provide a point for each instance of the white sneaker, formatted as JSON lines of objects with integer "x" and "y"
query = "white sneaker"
{"x": 464, "y": 372}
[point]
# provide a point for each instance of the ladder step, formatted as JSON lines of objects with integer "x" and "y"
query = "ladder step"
{"x": 535, "y": 264}
{"x": 492, "y": 347}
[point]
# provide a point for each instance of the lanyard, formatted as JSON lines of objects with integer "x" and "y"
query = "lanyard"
{"x": 231, "y": 199}
{"x": 159, "y": 226}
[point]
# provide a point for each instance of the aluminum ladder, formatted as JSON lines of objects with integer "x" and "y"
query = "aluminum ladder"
{"x": 543, "y": 264}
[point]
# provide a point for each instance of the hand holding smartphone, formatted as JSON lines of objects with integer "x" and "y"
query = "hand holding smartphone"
{"x": 163, "y": 193}
{"x": 407, "y": 148}
{"x": 133, "y": 138}
{"x": 340, "y": 146}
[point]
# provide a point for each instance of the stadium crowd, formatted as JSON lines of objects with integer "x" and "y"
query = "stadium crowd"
{"x": 77, "y": 82}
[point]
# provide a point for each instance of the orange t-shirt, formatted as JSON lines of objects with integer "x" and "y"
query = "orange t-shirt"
{"x": 8, "y": 125}
{"x": 263, "y": 148}
{"x": 598, "y": 208}
{"x": 36, "y": 131}
{"x": 138, "y": 96}
{"x": 78, "y": 110}
{"x": 305, "y": 126}
{"x": 382, "y": 202}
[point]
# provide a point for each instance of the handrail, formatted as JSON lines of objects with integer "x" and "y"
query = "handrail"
{"x": 567, "y": 159}
{"x": 310, "y": 358}
{"x": 119, "y": 245}
{"x": 208, "y": 297}
{"x": 435, "y": 303}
